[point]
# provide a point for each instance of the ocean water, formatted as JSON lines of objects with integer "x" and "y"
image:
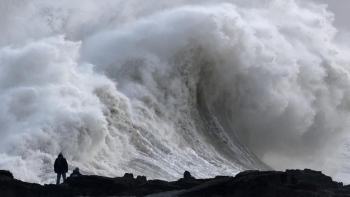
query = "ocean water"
{"x": 157, "y": 88}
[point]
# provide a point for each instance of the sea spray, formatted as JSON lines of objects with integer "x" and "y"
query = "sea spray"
{"x": 160, "y": 88}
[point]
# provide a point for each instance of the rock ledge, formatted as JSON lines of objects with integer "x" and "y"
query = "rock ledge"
{"x": 291, "y": 183}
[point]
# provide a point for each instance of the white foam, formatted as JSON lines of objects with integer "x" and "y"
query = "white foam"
{"x": 269, "y": 74}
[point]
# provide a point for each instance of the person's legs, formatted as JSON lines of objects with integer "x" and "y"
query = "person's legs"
{"x": 64, "y": 177}
{"x": 58, "y": 178}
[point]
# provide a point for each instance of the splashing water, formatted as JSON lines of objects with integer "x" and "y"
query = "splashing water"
{"x": 213, "y": 87}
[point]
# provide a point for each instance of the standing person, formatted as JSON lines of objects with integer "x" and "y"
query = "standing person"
{"x": 61, "y": 168}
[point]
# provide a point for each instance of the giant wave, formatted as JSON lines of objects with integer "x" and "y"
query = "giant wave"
{"x": 213, "y": 87}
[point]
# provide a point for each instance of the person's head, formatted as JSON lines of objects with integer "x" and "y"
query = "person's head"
{"x": 76, "y": 169}
{"x": 60, "y": 155}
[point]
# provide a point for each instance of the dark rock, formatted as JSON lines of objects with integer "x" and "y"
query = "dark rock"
{"x": 288, "y": 178}
{"x": 187, "y": 175}
{"x": 159, "y": 185}
{"x": 313, "y": 177}
{"x": 141, "y": 178}
{"x": 189, "y": 183}
{"x": 292, "y": 183}
{"x": 210, "y": 188}
{"x": 128, "y": 175}
{"x": 6, "y": 174}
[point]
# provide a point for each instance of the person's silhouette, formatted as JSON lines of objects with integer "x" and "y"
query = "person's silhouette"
{"x": 75, "y": 173}
{"x": 61, "y": 168}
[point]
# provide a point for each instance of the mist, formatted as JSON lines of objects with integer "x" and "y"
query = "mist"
{"x": 214, "y": 87}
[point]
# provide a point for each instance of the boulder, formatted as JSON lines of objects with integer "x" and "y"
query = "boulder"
{"x": 128, "y": 175}
{"x": 187, "y": 175}
{"x": 141, "y": 178}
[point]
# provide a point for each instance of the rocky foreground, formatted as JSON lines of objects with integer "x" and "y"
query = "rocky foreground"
{"x": 292, "y": 183}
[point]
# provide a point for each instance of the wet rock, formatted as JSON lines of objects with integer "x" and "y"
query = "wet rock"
{"x": 302, "y": 183}
{"x": 141, "y": 178}
{"x": 128, "y": 175}
{"x": 187, "y": 175}
{"x": 6, "y": 174}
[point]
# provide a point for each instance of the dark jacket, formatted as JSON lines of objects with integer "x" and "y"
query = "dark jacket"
{"x": 76, "y": 173}
{"x": 61, "y": 165}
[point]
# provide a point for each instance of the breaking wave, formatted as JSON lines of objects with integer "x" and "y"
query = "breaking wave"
{"x": 213, "y": 87}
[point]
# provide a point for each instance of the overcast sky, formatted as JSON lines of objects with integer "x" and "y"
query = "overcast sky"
{"x": 341, "y": 8}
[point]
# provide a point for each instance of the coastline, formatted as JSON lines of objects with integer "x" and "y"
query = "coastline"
{"x": 291, "y": 183}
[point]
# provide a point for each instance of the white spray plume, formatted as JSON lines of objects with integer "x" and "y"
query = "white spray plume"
{"x": 206, "y": 86}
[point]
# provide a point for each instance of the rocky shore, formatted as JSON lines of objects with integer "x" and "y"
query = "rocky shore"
{"x": 292, "y": 183}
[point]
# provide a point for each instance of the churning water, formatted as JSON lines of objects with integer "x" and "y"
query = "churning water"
{"x": 157, "y": 88}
